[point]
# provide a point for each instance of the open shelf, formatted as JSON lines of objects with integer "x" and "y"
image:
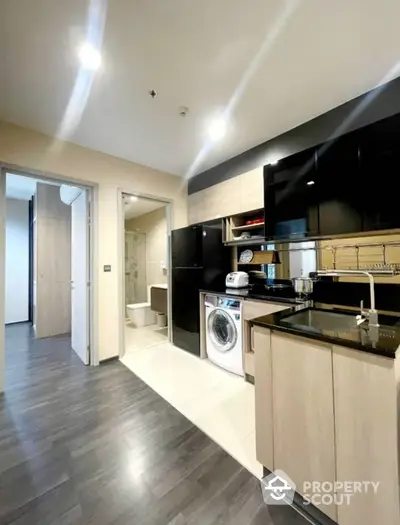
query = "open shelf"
{"x": 236, "y": 224}
{"x": 246, "y": 242}
{"x": 248, "y": 227}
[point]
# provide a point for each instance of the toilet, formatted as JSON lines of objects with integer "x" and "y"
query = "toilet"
{"x": 140, "y": 314}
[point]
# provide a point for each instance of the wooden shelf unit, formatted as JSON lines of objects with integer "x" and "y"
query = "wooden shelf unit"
{"x": 262, "y": 257}
{"x": 236, "y": 224}
{"x": 248, "y": 227}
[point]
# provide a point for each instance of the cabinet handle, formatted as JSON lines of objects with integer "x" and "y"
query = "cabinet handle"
{"x": 252, "y": 338}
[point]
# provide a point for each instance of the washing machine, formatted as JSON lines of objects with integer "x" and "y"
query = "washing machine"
{"x": 224, "y": 333}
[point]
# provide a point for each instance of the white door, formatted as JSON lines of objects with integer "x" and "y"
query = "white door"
{"x": 80, "y": 276}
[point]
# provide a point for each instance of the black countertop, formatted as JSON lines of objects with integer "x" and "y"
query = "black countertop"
{"x": 383, "y": 340}
{"x": 257, "y": 294}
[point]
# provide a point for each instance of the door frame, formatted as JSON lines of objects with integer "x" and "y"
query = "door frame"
{"x": 2, "y": 276}
{"x": 31, "y": 258}
{"x": 121, "y": 256}
{"x": 92, "y": 190}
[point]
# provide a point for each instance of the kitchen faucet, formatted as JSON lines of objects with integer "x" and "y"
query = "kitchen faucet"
{"x": 371, "y": 315}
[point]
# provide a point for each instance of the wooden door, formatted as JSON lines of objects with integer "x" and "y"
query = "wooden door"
{"x": 263, "y": 397}
{"x": 303, "y": 411}
{"x": 365, "y": 395}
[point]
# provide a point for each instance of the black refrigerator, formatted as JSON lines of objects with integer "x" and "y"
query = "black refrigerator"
{"x": 199, "y": 261}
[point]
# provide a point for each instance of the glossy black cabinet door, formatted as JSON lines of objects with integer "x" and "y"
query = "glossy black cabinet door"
{"x": 380, "y": 169}
{"x": 186, "y": 283}
{"x": 290, "y": 205}
{"x": 337, "y": 186}
{"x": 187, "y": 247}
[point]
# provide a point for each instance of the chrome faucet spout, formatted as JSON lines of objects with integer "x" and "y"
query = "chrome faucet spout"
{"x": 372, "y": 315}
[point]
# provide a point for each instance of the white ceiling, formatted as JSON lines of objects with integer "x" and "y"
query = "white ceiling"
{"x": 273, "y": 63}
{"x": 134, "y": 208}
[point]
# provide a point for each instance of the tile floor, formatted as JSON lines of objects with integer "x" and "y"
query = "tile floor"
{"x": 219, "y": 403}
{"x": 136, "y": 338}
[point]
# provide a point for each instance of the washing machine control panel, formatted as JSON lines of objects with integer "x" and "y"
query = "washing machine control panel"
{"x": 230, "y": 304}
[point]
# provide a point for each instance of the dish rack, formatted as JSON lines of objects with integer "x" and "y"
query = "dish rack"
{"x": 369, "y": 257}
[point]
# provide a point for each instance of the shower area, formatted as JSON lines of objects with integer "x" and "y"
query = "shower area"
{"x": 135, "y": 267}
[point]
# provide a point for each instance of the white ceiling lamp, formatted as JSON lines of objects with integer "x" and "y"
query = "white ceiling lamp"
{"x": 133, "y": 198}
{"x": 217, "y": 129}
{"x": 69, "y": 193}
{"x": 89, "y": 57}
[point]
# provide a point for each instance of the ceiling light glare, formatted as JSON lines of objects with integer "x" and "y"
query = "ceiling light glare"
{"x": 217, "y": 129}
{"x": 89, "y": 57}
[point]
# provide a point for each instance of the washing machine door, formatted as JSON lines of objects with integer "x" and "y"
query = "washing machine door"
{"x": 222, "y": 330}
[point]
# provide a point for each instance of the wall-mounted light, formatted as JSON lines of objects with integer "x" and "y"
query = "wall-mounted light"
{"x": 274, "y": 162}
{"x": 133, "y": 198}
{"x": 310, "y": 183}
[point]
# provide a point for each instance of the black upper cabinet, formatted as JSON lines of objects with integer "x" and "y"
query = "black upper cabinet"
{"x": 337, "y": 186}
{"x": 345, "y": 186}
{"x": 290, "y": 203}
{"x": 380, "y": 171}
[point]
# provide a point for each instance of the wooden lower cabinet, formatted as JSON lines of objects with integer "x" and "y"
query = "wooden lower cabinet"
{"x": 252, "y": 309}
{"x": 366, "y": 387}
{"x": 329, "y": 413}
{"x": 263, "y": 397}
{"x": 303, "y": 419}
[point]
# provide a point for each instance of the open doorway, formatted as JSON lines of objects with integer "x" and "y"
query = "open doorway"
{"x": 146, "y": 264}
{"x": 47, "y": 256}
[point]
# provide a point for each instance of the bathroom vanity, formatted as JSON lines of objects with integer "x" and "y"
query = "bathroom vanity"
{"x": 159, "y": 298}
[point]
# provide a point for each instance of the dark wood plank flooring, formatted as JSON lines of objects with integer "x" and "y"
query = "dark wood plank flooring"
{"x": 82, "y": 445}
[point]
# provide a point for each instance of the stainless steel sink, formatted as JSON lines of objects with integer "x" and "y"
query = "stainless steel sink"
{"x": 321, "y": 320}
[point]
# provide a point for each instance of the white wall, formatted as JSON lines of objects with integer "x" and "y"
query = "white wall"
{"x": 17, "y": 261}
{"x": 39, "y": 154}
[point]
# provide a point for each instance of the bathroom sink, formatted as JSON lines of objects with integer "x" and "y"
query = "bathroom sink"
{"x": 323, "y": 320}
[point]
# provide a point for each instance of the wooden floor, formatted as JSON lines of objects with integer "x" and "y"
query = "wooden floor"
{"x": 82, "y": 445}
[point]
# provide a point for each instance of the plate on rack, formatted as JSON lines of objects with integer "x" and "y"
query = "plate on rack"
{"x": 246, "y": 257}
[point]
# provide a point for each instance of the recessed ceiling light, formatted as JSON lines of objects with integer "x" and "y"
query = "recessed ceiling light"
{"x": 89, "y": 56}
{"x": 310, "y": 183}
{"x": 217, "y": 129}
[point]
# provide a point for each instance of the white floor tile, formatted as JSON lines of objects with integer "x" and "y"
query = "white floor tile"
{"x": 218, "y": 402}
{"x": 139, "y": 338}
